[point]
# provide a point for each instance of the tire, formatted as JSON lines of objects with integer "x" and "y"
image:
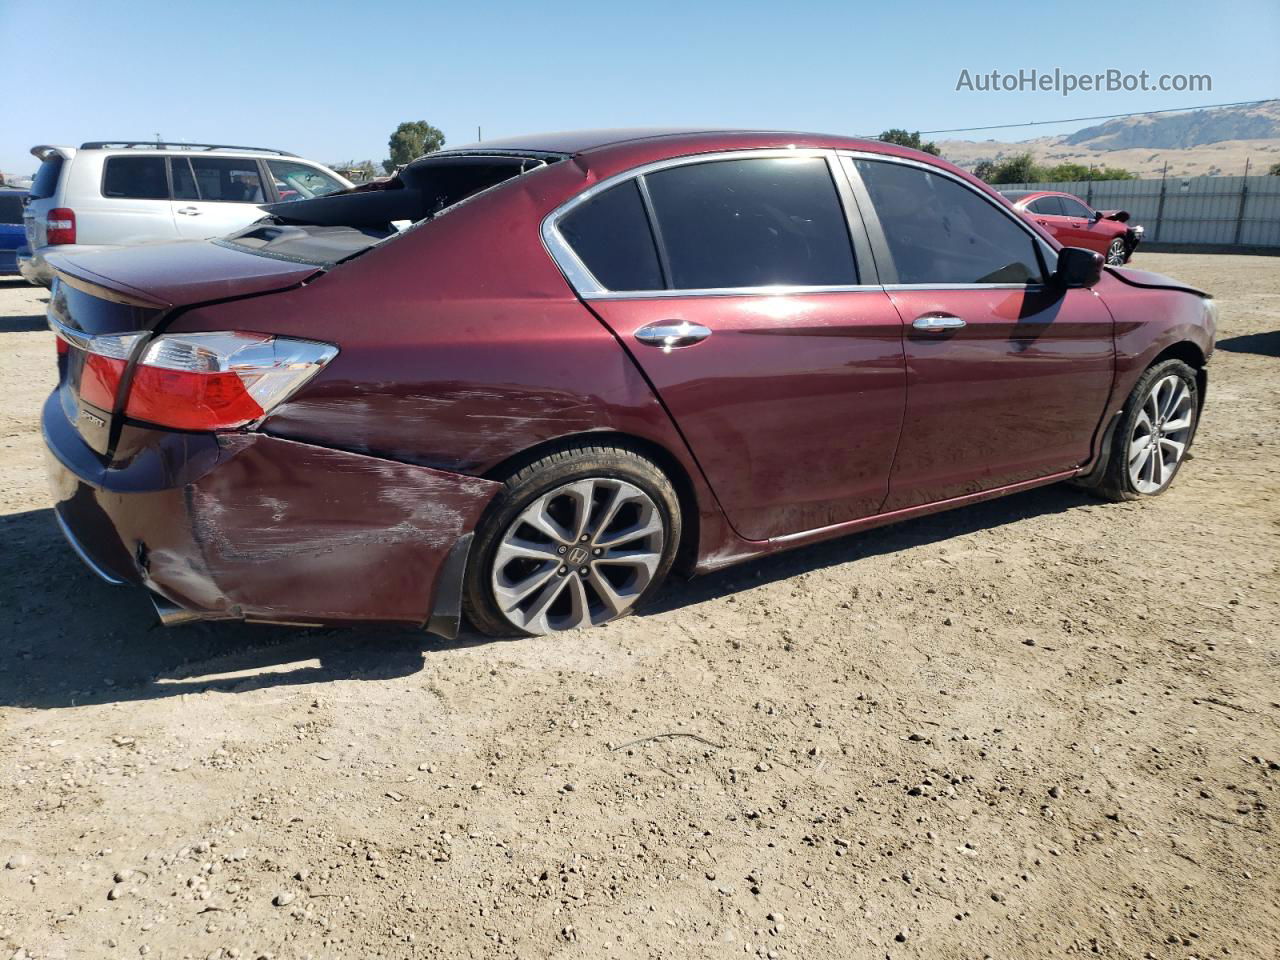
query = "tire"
{"x": 1130, "y": 477}
{"x": 1117, "y": 253}
{"x": 525, "y": 577}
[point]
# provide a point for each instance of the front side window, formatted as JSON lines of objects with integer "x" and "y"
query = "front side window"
{"x": 297, "y": 181}
{"x": 226, "y": 180}
{"x": 610, "y": 234}
{"x": 940, "y": 232}
{"x": 135, "y": 178}
{"x": 1074, "y": 208}
{"x": 752, "y": 223}
{"x": 1046, "y": 207}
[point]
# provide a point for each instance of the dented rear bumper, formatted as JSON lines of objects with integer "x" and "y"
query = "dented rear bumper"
{"x": 254, "y": 527}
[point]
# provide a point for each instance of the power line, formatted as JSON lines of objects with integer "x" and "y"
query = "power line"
{"x": 1107, "y": 116}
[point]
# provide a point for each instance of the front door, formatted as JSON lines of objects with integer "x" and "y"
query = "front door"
{"x": 1007, "y": 374}
{"x": 733, "y": 284}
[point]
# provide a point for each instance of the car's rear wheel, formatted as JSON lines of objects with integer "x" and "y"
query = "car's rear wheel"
{"x": 1116, "y": 253}
{"x": 577, "y": 538}
{"x": 1154, "y": 434}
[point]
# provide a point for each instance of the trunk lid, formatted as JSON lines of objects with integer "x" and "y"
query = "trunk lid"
{"x": 104, "y": 306}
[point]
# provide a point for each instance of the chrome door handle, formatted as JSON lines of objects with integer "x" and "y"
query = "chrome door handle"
{"x": 189, "y": 211}
{"x": 672, "y": 334}
{"x": 937, "y": 321}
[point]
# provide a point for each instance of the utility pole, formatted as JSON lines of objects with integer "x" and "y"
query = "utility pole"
{"x": 479, "y": 138}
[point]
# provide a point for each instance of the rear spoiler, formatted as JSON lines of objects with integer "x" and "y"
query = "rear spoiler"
{"x": 44, "y": 151}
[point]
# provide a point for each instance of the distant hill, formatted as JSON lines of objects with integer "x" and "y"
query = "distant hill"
{"x": 1175, "y": 131}
{"x": 1201, "y": 142}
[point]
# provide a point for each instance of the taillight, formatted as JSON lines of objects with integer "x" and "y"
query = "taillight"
{"x": 60, "y": 226}
{"x": 104, "y": 364}
{"x": 216, "y": 381}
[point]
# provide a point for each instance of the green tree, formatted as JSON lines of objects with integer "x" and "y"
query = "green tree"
{"x": 904, "y": 138}
{"x": 1019, "y": 168}
{"x": 984, "y": 169}
{"x": 1078, "y": 171}
{"x": 411, "y": 140}
{"x": 1274, "y": 171}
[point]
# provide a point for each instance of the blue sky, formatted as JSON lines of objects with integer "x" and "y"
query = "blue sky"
{"x": 331, "y": 80}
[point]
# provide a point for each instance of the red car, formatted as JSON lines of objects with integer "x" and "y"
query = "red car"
{"x": 525, "y": 380}
{"x": 1074, "y": 223}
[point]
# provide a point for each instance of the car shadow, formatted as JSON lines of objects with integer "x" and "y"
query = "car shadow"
{"x": 1263, "y": 344}
{"x": 29, "y": 324}
{"x": 67, "y": 639}
{"x": 859, "y": 546}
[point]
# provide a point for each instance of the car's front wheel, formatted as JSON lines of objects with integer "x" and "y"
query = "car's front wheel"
{"x": 1116, "y": 253}
{"x": 1154, "y": 433}
{"x": 577, "y": 538}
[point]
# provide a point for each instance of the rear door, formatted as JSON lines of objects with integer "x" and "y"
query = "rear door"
{"x": 212, "y": 196}
{"x": 732, "y": 280}
{"x": 1007, "y": 374}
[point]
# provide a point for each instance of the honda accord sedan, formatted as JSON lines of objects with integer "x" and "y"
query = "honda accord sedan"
{"x": 1076, "y": 224}
{"x": 523, "y": 381}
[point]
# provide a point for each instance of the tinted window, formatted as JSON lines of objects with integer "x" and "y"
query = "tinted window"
{"x": 610, "y": 234}
{"x": 225, "y": 180}
{"x": 184, "y": 184}
{"x": 10, "y": 208}
{"x": 138, "y": 178}
{"x": 297, "y": 181}
{"x": 1074, "y": 208}
{"x": 941, "y": 232}
{"x": 46, "y": 179}
{"x": 752, "y": 223}
{"x": 1046, "y": 206}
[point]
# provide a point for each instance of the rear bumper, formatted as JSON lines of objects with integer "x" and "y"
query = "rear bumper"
{"x": 253, "y": 527}
{"x": 33, "y": 267}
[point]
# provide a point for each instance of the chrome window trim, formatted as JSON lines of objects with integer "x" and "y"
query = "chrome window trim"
{"x": 1047, "y": 252}
{"x": 589, "y": 288}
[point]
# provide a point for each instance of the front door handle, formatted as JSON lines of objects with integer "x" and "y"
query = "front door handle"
{"x": 937, "y": 321}
{"x": 672, "y": 334}
{"x": 189, "y": 211}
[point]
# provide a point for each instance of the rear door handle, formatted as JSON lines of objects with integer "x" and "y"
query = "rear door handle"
{"x": 189, "y": 211}
{"x": 672, "y": 334}
{"x": 937, "y": 321}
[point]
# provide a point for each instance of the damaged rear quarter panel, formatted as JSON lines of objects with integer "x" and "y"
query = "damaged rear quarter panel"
{"x": 291, "y": 531}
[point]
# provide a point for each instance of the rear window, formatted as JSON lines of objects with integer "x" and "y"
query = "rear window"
{"x": 10, "y": 208}
{"x": 135, "y": 178}
{"x": 327, "y": 229}
{"x": 46, "y": 180}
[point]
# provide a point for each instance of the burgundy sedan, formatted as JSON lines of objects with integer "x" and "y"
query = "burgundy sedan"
{"x": 1074, "y": 223}
{"x": 523, "y": 381}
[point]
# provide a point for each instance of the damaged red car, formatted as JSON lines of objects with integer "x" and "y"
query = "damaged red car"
{"x": 523, "y": 381}
{"x": 1074, "y": 223}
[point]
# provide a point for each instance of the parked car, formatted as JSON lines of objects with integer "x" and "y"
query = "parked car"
{"x": 590, "y": 359}
{"x": 1076, "y": 224}
{"x": 105, "y": 194}
{"x": 11, "y": 231}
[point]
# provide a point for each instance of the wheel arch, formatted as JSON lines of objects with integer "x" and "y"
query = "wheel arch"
{"x": 1190, "y": 354}
{"x": 668, "y": 462}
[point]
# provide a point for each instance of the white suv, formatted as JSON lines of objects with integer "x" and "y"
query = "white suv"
{"x": 109, "y": 194}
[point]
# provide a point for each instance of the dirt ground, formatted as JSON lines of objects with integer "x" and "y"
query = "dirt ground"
{"x": 1038, "y": 727}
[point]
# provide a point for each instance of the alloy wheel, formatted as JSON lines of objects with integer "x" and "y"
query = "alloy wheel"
{"x": 1160, "y": 435}
{"x": 579, "y": 555}
{"x": 1115, "y": 253}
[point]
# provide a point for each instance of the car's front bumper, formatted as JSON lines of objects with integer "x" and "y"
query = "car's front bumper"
{"x": 254, "y": 527}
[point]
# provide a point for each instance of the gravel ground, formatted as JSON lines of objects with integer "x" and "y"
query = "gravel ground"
{"x": 1035, "y": 727}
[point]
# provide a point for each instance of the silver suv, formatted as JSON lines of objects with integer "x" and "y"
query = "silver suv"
{"x": 110, "y": 194}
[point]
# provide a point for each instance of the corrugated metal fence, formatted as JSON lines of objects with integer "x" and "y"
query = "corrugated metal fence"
{"x": 1229, "y": 211}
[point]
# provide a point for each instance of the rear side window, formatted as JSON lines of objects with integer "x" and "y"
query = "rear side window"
{"x": 610, "y": 234}
{"x": 752, "y": 223}
{"x": 10, "y": 208}
{"x": 941, "y": 232}
{"x": 45, "y": 183}
{"x": 135, "y": 178}
{"x": 226, "y": 180}
{"x": 1046, "y": 206}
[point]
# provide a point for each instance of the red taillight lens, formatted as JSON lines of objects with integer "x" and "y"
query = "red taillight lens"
{"x": 60, "y": 226}
{"x": 217, "y": 381}
{"x": 100, "y": 380}
{"x": 61, "y": 346}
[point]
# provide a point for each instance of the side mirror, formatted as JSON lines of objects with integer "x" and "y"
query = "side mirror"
{"x": 1078, "y": 267}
